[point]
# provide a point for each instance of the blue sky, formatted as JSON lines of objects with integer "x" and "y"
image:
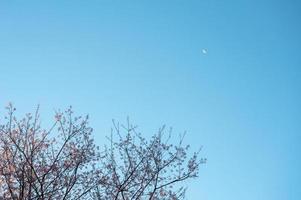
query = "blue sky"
{"x": 143, "y": 59}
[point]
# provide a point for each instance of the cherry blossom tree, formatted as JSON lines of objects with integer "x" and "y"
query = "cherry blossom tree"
{"x": 63, "y": 163}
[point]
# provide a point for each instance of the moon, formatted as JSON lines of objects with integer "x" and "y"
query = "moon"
{"x": 204, "y": 51}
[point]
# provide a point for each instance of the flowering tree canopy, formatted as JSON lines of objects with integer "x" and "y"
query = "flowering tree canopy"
{"x": 64, "y": 163}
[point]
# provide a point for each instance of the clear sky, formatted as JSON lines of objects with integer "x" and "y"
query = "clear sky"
{"x": 145, "y": 59}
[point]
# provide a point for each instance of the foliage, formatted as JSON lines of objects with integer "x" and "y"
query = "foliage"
{"x": 64, "y": 163}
